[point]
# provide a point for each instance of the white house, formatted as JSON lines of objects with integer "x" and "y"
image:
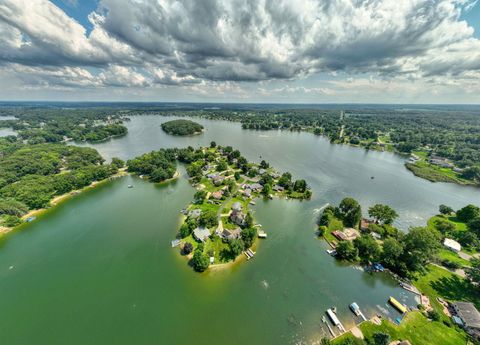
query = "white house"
{"x": 452, "y": 245}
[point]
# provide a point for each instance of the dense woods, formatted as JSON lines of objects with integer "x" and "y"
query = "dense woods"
{"x": 182, "y": 127}
{"x": 31, "y": 175}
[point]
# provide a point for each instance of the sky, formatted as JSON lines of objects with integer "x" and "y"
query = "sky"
{"x": 285, "y": 51}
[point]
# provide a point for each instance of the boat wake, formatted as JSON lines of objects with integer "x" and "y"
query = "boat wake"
{"x": 318, "y": 210}
{"x": 264, "y": 284}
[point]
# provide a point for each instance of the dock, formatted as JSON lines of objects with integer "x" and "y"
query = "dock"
{"x": 399, "y": 306}
{"x": 356, "y": 310}
{"x": 249, "y": 253}
{"x": 175, "y": 243}
{"x": 336, "y": 322}
{"x": 329, "y": 328}
{"x": 262, "y": 234}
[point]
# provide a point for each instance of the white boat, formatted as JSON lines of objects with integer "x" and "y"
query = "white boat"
{"x": 332, "y": 252}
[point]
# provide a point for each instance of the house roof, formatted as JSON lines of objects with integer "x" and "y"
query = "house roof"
{"x": 201, "y": 233}
{"x": 449, "y": 243}
{"x": 237, "y": 206}
{"x": 468, "y": 313}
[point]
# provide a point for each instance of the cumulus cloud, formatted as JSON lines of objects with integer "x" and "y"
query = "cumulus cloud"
{"x": 146, "y": 43}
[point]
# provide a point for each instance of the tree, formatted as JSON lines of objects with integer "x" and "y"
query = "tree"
{"x": 267, "y": 190}
{"x": 264, "y": 165}
{"x": 350, "y": 211}
{"x": 187, "y": 248}
{"x": 474, "y": 225}
{"x": 300, "y": 186}
{"x": 346, "y": 251}
{"x": 213, "y": 144}
{"x": 222, "y": 166}
{"x": 200, "y": 261}
{"x": 285, "y": 180}
{"x": 236, "y": 247}
{"x": 118, "y": 163}
{"x": 237, "y": 175}
{"x": 421, "y": 245}
{"x": 200, "y": 196}
{"x": 208, "y": 219}
{"x": 468, "y": 212}
{"x": 381, "y": 338}
{"x": 392, "y": 250}
{"x": 248, "y": 236}
{"x": 382, "y": 213}
{"x": 473, "y": 273}
{"x": 368, "y": 248}
{"x": 248, "y": 220}
{"x": 469, "y": 239}
{"x": 444, "y": 226}
{"x": 446, "y": 210}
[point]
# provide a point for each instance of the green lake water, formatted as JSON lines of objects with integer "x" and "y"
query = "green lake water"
{"x": 99, "y": 269}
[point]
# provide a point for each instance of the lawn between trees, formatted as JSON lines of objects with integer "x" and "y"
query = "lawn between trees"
{"x": 218, "y": 225}
{"x": 410, "y": 255}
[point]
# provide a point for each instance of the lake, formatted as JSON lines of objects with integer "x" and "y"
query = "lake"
{"x": 99, "y": 269}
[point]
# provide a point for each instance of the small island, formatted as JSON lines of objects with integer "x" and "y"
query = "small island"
{"x": 182, "y": 127}
{"x": 218, "y": 226}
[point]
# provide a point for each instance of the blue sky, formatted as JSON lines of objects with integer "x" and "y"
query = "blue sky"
{"x": 379, "y": 51}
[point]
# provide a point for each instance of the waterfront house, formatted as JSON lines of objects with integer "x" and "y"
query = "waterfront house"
{"x": 339, "y": 235}
{"x": 278, "y": 188}
{"x": 470, "y": 317}
{"x": 452, "y": 245}
{"x": 201, "y": 234}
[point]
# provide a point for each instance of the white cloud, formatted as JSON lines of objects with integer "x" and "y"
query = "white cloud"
{"x": 222, "y": 44}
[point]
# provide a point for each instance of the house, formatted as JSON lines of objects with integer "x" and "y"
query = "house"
{"x": 195, "y": 213}
{"x": 237, "y": 206}
{"x": 212, "y": 175}
{"x": 452, "y": 245}
{"x": 257, "y": 187}
{"x": 470, "y": 317}
{"x": 351, "y": 233}
{"x": 218, "y": 180}
{"x": 339, "y": 235}
{"x": 217, "y": 195}
{"x": 231, "y": 234}
{"x": 237, "y": 216}
{"x": 262, "y": 171}
{"x": 201, "y": 234}
{"x": 364, "y": 224}
{"x": 247, "y": 193}
{"x": 278, "y": 188}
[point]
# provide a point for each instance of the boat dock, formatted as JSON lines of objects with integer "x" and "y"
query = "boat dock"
{"x": 324, "y": 319}
{"x": 399, "y": 306}
{"x": 249, "y": 253}
{"x": 262, "y": 234}
{"x": 336, "y": 322}
{"x": 356, "y": 310}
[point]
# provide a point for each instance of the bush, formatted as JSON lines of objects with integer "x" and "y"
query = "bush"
{"x": 433, "y": 315}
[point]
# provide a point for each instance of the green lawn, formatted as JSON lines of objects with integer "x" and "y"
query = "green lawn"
{"x": 460, "y": 226}
{"x": 434, "y": 173}
{"x": 438, "y": 282}
{"x": 416, "y": 328}
{"x": 446, "y": 254}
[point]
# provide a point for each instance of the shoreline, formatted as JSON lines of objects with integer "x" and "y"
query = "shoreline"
{"x": 61, "y": 198}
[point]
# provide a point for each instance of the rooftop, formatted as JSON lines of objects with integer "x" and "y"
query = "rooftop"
{"x": 468, "y": 313}
{"x": 452, "y": 244}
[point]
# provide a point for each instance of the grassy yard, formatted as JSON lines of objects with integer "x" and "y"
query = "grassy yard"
{"x": 418, "y": 330}
{"x": 438, "y": 282}
{"x": 446, "y": 254}
{"x": 436, "y": 174}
